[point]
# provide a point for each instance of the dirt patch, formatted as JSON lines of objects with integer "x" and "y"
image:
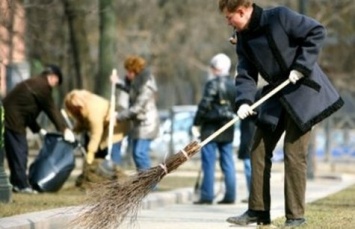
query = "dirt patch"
{"x": 91, "y": 175}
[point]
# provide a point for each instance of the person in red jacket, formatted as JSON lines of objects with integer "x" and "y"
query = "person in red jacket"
{"x": 22, "y": 106}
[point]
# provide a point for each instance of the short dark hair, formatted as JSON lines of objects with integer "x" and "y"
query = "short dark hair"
{"x": 53, "y": 69}
{"x": 232, "y": 5}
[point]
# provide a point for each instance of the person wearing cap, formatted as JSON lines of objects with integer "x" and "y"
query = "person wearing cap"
{"x": 214, "y": 111}
{"x": 22, "y": 106}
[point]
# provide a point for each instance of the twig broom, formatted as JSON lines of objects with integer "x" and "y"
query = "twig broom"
{"x": 111, "y": 203}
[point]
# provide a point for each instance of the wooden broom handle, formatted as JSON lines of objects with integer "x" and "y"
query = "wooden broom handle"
{"x": 255, "y": 105}
{"x": 112, "y": 119}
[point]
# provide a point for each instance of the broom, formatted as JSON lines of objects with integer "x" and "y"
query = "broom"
{"x": 108, "y": 167}
{"x": 109, "y": 204}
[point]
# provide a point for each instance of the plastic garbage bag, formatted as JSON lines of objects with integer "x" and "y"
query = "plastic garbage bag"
{"x": 53, "y": 165}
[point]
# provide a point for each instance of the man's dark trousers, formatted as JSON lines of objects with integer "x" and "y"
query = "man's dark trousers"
{"x": 295, "y": 153}
{"x": 17, "y": 152}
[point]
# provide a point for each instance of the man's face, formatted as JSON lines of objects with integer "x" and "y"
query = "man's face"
{"x": 238, "y": 19}
{"x": 214, "y": 71}
{"x": 53, "y": 80}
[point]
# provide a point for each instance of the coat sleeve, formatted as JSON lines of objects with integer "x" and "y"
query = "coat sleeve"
{"x": 47, "y": 104}
{"x": 96, "y": 132}
{"x": 210, "y": 92}
{"x": 246, "y": 80}
{"x": 138, "y": 105}
{"x": 34, "y": 126}
{"x": 307, "y": 34}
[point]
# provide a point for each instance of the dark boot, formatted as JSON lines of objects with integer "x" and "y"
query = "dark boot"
{"x": 200, "y": 202}
{"x": 291, "y": 223}
{"x": 251, "y": 216}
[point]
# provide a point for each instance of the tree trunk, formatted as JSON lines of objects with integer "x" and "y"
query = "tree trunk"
{"x": 107, "y": 43}
{"x": 74, "y": 11}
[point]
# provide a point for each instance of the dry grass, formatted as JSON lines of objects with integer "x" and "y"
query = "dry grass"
{"x": 334, "y": 211}
{"x": 24, "y": 203}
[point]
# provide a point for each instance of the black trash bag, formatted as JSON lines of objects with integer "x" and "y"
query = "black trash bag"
{"x": 53, "y": 165}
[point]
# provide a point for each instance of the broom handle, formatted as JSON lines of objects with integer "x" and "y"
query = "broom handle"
{"x": 66, "y": 119}
{"x": 111, "y": 123}
{"x": 234, "y": 120}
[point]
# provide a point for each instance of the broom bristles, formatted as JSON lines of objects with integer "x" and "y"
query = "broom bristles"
{"x": 111, "y": 203}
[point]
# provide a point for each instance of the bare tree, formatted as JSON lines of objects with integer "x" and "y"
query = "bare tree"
{"x": 89, "y": 38}
{"x": 108, "y": 47}
{"x": 76, "y": 14}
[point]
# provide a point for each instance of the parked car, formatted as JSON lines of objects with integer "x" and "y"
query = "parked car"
{"x": 175, "y": 132}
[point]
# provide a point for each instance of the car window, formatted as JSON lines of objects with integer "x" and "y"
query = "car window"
{"x": 183, "y": 121}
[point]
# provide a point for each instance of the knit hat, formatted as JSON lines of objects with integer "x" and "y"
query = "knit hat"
{"x": 222, "y": 63}
{"x": 53, "y": 69}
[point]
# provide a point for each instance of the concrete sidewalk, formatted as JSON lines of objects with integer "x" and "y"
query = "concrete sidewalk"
{"x": 174, "y": 209}
{"x": 188, "y": 216}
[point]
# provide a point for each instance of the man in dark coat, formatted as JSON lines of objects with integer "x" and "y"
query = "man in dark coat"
{"x": 22, "y": 106}
{"x": 279, "y": 44}
{"x": 214, "y": 111}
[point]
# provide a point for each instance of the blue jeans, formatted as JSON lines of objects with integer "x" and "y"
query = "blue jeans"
{"x": 116, "y": 153}
{"x": 140, "y": 152}
{"x": 209, "y": 157}
{"x": 247, "y": 172}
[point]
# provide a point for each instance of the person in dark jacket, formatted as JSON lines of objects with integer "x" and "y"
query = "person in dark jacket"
{"x": 214, "y": 111}
{"x": 22, "y": 106}
{"x": 279, "y": 44}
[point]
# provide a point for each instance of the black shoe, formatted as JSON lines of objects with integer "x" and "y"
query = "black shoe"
{"x": 27, "y": 190}
{"x": 251, "y": 216}
{"x": 203, "y": 202}
{"x": 290, "y": 223}
{"x": 226, "y": 202}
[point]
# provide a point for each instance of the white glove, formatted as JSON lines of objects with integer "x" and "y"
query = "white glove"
{"x": 245, "y": 111}
{"x": 42, "y": 132}
{"x": 195, "y": 130}
{"x": 295, "y": 76}
{"x": 69, "y": 135}
{"x": 116, "y": 79}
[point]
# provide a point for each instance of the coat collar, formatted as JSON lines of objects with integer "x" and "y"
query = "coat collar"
{"x": 255, "y": 18}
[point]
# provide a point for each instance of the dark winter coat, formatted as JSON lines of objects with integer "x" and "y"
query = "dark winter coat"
{"x": 24, "y": 103}
{"x": 277, "y": 41}
{"x": 247, "y": 130}
{"x": 218, "y": 93}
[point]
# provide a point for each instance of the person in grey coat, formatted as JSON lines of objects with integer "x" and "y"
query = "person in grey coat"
{"x": 279, "y": 44}
{"x": 142, "y": 110}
